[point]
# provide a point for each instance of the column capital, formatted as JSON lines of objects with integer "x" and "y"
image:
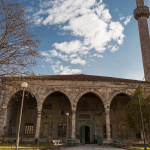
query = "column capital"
{"x": 107, "y": 109}
{"x": 73, "y": 109}
{"x": 141, "y": 11}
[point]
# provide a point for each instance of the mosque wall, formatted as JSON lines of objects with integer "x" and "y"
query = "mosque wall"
{"x": 102, "y": 101}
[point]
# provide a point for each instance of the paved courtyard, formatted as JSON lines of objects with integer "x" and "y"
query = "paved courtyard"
{"x": 92, "y": 147}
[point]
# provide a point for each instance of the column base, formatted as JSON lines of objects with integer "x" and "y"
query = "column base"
{"x": 108, "y": 141}
{"x": 140, "y": 142}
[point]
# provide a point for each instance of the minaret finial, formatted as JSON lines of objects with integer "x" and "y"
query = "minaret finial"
{"x": 140, "y": 3}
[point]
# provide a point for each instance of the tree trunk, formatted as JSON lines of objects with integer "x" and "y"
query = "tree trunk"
{"x": 148, "y": 138}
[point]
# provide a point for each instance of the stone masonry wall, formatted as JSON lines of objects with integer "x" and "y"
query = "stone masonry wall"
{"x": 73, "y": 90}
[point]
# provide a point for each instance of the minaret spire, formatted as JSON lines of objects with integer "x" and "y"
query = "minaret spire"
{"x": 140, "y": 3}
{"x": 141, "y": 14}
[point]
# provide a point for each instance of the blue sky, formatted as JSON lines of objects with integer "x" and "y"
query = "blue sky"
{"x": 87, "y": 36}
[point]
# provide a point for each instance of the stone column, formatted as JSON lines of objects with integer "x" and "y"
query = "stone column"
{"x": 73, "y": 133}
{"x": 38, "y": 124}
{"x": 107, "y": 110}
{"x": 2, "y": 118}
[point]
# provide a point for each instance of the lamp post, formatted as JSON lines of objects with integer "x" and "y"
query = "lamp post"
{"x": 142, "y": 124}
{"x": 142, "y": 121}
{"x": 67, "y": 114}
{"x": 23, "y": 85}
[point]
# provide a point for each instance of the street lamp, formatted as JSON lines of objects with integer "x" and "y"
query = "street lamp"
{"x": 142, "y": 121}
{"x": 23, "y": 85}
{"x": 142, "y": 124}
{"x": 67, "y": 114}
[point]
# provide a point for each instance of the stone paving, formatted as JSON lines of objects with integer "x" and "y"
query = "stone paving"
{"x": 92, "y": 147}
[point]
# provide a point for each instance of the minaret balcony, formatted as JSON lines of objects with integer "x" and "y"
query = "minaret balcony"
{"x": 141, "y": 11}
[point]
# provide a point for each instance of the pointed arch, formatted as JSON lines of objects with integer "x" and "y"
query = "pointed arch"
{"x": 12, "y": 92}
{"x": 94, "y": 91}
{"x": 128, "y": 93}
{"x": 53, "y": 90}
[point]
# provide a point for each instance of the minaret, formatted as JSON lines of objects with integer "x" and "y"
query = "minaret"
{"x": 141, "y": 14}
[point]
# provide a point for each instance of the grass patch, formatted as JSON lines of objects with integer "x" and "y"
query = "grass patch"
{"x": 10, "y": 146}
{"x": 140, "y": 148}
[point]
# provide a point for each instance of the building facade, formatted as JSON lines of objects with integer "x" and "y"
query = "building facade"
{"x": 96, "y": 105}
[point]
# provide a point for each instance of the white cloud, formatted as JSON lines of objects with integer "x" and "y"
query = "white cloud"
{"x": 100, "y": 56}
{"x": 116, "y": 32}
{"x": 122, "y": 17}
{"x": 54, "y": 53}
{"x": 128, "y": 19}
{"x": 49, "y": 60}
{"x": 29, "y": 9}
{"x": 78, "y": 61}
{"x": 113, "y": 48}
{"x": 37, "y": 20}
{"x": 67, "y": 70}
{"x": 69, "y": 47}
{"x": 44, "y": 54}
{"x": 73, "y": 55}
{"x": 87, "y": 20}
{"x": 96, "y": 32}
{"x": 60, "y": 69}
{"x": 56, "y": 67}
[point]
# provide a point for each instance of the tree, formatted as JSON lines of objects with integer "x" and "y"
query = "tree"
{"x": 133, "y": 113}
{"x": 18, "y": 46}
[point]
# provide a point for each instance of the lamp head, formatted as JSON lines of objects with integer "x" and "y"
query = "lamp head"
{"x": 67, "y": 114}
{"x": 24, "y": 85}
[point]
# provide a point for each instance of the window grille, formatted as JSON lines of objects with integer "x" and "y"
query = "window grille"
{"x": 62, "y": 130}
{"x": 47, "y": 106}
{"x": 29, "y": 129}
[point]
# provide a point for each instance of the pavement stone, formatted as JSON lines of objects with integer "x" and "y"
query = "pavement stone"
{"x": 92, "y": 147}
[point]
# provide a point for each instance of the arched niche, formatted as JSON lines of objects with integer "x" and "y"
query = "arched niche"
{"x": 54, "y": 110}
{"x": 90, "y": 112}
{"x": 117, "y": 116}
{"x": 28, "y": 119}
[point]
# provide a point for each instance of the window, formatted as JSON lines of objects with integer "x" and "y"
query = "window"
{"x": 62, "y": 130}
{"x": 62, "y": 112}
{"x": 47, "y": 106}
{"x": 29, "y": 129}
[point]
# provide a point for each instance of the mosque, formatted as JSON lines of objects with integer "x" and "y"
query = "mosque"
{"x": 82, "y": 107}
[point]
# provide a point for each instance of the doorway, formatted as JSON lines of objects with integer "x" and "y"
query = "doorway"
{"x": 85, "y": 134}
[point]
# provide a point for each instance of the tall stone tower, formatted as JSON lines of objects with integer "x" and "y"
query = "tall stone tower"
{"x": 141, "y": 14}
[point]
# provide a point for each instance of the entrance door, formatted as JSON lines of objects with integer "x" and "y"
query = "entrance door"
{"x": 87, "y": 135}
{"x": 84, "y": 134}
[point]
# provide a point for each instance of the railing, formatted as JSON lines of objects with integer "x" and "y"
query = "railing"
{"x": 11, "y": 132}
{"x": 60, "y": 133}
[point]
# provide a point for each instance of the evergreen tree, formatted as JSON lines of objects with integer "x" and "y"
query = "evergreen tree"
{"x": 132, "y": 112}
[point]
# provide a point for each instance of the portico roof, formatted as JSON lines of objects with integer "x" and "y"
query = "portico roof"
{"x": 77, "y": 77}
